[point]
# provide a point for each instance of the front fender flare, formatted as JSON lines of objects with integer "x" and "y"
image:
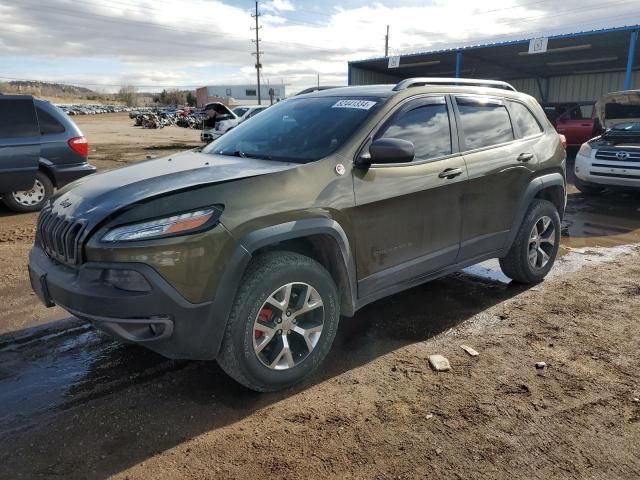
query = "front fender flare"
{"x": 250, "y": 243}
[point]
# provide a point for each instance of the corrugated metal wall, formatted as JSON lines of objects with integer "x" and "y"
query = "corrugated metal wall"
{"x": 360, "y": 76}
{"x": 569, "y": 88}
{"x": 576, "y": 88}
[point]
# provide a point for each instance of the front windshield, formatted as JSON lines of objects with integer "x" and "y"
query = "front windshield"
{"x": 240, "y": 111}
{"x": 299, "y": 130}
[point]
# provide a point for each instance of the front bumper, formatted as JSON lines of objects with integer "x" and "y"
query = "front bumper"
{"x": 605, "y": 172}
{"x": 210, "y": 135}
{"x": 160, "y": 319}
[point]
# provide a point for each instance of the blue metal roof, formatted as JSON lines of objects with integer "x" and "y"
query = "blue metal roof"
{"x": 507, "y": 43}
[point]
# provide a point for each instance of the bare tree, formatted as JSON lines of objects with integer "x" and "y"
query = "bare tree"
{"x": 129, "y": 95}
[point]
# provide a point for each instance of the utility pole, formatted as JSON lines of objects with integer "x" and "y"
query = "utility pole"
{"x": 257, "y": 52}
{"x": 318, "y": 80}
{"x": 386, "y": 43}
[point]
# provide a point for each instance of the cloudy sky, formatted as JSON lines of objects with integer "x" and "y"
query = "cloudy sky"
{"x": 157, "y": 44}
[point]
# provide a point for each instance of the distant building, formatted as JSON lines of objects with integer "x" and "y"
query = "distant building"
{"x": 238, "y": 94}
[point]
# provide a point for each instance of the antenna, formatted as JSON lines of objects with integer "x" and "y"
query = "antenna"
{"x": 257, "y": 53}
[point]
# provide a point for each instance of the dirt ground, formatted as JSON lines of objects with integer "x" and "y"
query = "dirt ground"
{"x": 76, "y": 404}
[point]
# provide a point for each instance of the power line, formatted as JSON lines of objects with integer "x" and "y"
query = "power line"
{"x": 109, "y": 19}
{"x": 69, "y": 13}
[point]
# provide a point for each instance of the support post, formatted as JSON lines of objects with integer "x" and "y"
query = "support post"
{"x": 630, "y": 59}
{"x": 386, "y": 43}
{"x": 458, "y": 63}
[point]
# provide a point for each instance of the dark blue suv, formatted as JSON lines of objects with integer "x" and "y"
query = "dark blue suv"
{"x": 41, "y": 148}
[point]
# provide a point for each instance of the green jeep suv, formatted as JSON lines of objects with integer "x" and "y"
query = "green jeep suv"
{"x": 249, "y": 251}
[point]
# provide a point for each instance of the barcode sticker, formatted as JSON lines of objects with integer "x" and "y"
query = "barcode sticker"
{"x": 359, "y": 104}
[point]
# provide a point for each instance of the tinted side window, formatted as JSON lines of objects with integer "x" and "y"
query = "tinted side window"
{"x": 524, "y": 120}
{"x": 426, "y": 126}
{"x": 484, "y": 123}
{"x": 18, "y": 119}
{"x": 48, "y": 123}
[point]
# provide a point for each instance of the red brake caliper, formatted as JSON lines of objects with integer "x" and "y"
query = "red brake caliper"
{"x": 263, "y": 317}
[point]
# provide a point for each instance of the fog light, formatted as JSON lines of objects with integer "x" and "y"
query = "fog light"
{"x": 126, "y": 280}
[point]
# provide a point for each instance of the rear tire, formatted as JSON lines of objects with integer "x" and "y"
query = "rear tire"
{"x": 282, "y": 323}
{"x": 536, "y": 245}
{"x": 587, "y": 188}
{"x": 30, "y": 200}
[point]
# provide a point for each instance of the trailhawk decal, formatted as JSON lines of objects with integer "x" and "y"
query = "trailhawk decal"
{"x": 359, "y": 104}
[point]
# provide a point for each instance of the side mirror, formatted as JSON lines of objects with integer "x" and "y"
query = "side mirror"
{"x": 388, "y": 150}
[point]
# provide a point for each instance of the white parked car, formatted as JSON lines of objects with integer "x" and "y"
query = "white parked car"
{"x": 241, "y": 114}
{"x": 613, "y": 158}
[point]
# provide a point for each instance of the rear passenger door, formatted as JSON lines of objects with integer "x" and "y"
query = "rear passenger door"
{"x": 408, "y": 215}
{"x": 19, "y": 143}
{"x": 499, "y": 169}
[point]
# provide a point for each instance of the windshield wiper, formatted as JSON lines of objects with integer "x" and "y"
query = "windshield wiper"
{"x": 241, "y": 154}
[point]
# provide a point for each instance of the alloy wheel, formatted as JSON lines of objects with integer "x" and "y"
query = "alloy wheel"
{"x": 288, "y": 326}
{"x": 542, "y": 240}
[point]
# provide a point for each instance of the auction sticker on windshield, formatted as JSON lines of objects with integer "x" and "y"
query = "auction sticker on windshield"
{"x": 359, "y": 104}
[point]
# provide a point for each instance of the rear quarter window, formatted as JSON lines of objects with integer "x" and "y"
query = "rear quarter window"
{"x": 524, "y": 121}
{"x": 48, "y": 123}
{"x": 18, "y": 119}
{"x": 484, "y": 122}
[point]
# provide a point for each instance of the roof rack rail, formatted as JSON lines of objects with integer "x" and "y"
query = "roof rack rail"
{"x": 421, "y": 81}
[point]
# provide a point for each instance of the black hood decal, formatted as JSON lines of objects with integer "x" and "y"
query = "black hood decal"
{"x": 95, "y": 197}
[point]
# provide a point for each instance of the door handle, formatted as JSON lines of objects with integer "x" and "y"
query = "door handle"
{"x": 585, "y": 124}
{"x": 525, "y": 157}
{"x": 450, "y": 173}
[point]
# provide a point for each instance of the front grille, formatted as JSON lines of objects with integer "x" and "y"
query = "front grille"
{"x": 60, "y": 237}
{"x": 612, "y": 155}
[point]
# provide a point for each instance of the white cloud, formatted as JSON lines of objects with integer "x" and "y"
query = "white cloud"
{"x": 277, "y": 6}
{"x": 198, "y": 42}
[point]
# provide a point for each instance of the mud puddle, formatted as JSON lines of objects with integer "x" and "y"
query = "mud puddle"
{"x": 52, "y": 369}
{"x": 606, "y": 220}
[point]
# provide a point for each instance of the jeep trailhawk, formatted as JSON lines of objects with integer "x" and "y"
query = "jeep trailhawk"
{"x": 250, "y": 251}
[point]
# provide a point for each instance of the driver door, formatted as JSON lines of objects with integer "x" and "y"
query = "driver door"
{"x": 408, "y": 215}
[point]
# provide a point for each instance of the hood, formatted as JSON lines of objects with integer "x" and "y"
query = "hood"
{"x": 220, "y": 109}
{"x": 618, "y": 107}
{"x": 94, "y": 197}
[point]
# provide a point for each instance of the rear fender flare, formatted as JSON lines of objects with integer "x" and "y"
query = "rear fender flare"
{"x": 538, "y": 184}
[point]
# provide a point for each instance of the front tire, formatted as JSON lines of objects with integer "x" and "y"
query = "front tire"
{"x": 282, "y": 323}
{"x": 30, "y": 200}
{"x": 536, "y": 245}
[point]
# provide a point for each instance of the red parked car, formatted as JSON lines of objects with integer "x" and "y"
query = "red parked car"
{"x": 577, "y": 121}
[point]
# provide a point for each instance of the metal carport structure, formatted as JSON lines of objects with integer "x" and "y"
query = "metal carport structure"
{"x": 575, "y": 67}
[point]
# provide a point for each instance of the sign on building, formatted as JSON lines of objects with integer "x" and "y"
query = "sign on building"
{"x": 538, "y": 45}
{"x": 394, "y": 62}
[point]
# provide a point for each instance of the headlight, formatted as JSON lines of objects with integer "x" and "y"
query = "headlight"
{"x": 585, "y": 150}
{"x": 162, "y": 227}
